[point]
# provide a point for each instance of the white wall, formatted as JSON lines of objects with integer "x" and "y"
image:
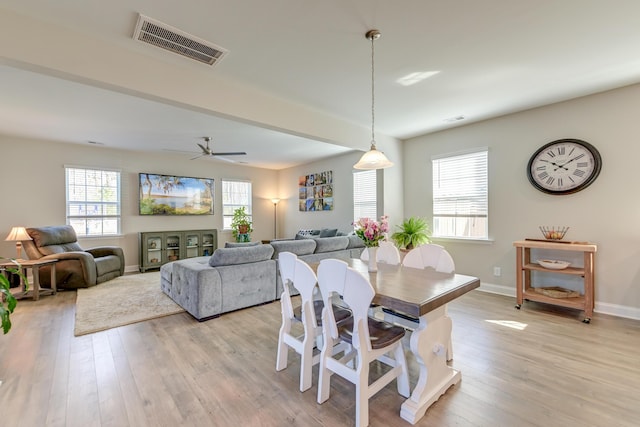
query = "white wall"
{"x": 291, "y": 219}
{"x": 32, "y": 173}
{"x": 605, "y": 213}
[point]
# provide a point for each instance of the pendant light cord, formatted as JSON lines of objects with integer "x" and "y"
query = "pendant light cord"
{"x": 373, "y": 98}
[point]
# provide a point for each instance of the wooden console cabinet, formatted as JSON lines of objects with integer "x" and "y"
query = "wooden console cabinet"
{"x": 159, "y": 247}
{"x": 524, "y": 267}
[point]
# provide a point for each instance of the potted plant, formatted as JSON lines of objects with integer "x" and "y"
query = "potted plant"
{"x": 241, "y": 225}
{"x": 7, "y": 300}
{"x": 413, "y": 231}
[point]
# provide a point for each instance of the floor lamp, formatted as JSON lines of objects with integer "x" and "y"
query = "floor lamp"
{"x": 275, "y": 217}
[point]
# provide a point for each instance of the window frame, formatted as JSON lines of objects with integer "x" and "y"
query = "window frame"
{"x": 248, "y": 207}
{"x": 474, "y": 203}
{"x": 72, "y": 188}
{"x": 360, "y": 205}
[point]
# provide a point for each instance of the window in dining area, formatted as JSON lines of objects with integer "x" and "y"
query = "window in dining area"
{"x": 460, "y": 195}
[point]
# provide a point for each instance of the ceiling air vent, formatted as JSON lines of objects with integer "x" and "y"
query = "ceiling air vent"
{"x": 166, "y": 37}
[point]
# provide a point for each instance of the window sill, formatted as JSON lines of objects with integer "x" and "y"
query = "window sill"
{"x": 471, "y": 240}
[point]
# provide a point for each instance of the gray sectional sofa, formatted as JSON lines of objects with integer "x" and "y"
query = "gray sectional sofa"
{"x": 245, "y": 275}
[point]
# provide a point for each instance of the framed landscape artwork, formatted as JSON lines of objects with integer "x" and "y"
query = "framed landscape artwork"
{"x": 315, "y": 192}
{"x": 175, "y": 195}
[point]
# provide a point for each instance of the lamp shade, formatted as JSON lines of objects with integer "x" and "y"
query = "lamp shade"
{"x": 18, "y": 234}
{"x": 373, "y": 159}
{"x": 275, "y": 201}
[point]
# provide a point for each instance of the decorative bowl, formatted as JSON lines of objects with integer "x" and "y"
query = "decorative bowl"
{"x": 553, "y": 233}
{"x": 554, "y": 264}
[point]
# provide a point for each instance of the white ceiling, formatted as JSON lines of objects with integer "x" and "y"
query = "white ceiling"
{"x": 494, "y": 57}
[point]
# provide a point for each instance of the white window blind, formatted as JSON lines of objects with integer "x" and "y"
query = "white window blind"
{"x": 364, "y": 194}
{"x": 235, "y": 194}
{"x": 460, "y": 195}
{"x": 93, "y": 201}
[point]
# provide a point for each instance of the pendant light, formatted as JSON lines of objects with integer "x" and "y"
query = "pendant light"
{"x": 373, "y": 159}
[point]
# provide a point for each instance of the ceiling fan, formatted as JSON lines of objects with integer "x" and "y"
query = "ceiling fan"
{"x": 206, "y": 150}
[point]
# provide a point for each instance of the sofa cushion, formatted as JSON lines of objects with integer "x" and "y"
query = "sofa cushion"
{"x": 328, "y": 244}
{"x": 355, "y": 241}
{"x": 328, "y": 232}
{"x": 240, "y": 244}
{"x": 242, "y": 255}
{"x": 298, "y": 247}
{"x": 55, "y": 239}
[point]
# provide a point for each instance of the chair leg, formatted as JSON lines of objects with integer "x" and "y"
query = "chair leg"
{"x": 283, "y": 348}
{"x": 324, "y": 375}
{"x": 306, "y": 362}
{"x": 362, "y": 394}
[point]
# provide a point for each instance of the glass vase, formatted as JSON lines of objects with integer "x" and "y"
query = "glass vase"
{"x": 373, "y": 257}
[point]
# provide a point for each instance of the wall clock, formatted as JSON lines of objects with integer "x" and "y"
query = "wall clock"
{"x": 564, "y": 166}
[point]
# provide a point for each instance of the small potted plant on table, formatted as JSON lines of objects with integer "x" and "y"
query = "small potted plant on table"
{"x": 413, "y": 232}
{"x": 241, "y": 225}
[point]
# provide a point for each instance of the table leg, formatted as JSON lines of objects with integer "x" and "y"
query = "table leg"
{"x": 429, "y": 344}
{"x": 36, "y": 282}
{"x": 54, "y": 286}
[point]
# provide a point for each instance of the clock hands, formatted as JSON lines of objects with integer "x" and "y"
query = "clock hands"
{"x": 557, "y": 165}
{"x": 566, "y": 163}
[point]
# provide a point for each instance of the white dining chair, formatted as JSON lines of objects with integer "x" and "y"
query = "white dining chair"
{"x": 297, "y": 273}
{"x": 387, "y": 253}
{"x": 370, "y": 339}
{"x": 424, "y": 256}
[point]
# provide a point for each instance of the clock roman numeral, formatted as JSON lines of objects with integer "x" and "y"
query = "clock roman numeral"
{"x": 543, "y": 176}
{"x": 582, "y": 164}
{"x": 559, "y": 182}
{"x": 561, "y": 151}
{"x": 579, "y": 173}
{"x": 551, "y": 154}
{"x": 550, "y": 180}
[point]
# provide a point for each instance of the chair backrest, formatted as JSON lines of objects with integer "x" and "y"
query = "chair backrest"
{"x": 430, "y": 255}
{"x": 387, "y": 253}
{"x": 331, "y": 280}
{"x": 358, "y": 294}
{"x": 51, "y": 240}
{"x": 287, "y": 267}
{"x": 304, "y": 280}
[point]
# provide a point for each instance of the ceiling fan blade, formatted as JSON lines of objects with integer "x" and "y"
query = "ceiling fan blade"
{"x": 197, "y": 157}
{"x": 232, "y": 153}
{"x": 205, "y": 150}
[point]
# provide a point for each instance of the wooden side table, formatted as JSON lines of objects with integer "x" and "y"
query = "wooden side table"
{"x": 34, "y": 265}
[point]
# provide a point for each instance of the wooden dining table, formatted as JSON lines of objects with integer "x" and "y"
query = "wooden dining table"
{"x": 422, "y": 293}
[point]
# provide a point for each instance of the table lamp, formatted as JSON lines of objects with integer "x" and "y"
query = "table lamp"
{"x": 18, "y": 234}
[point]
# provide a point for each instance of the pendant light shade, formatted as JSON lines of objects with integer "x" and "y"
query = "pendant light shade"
{"x": 373, "y": 159}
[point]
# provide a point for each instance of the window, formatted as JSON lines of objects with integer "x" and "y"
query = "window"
{"x": 364, "y": 194}
{"x": 235, "y": 194}
{"x": 460, "y": 196}
{"x": 93, "y": 201}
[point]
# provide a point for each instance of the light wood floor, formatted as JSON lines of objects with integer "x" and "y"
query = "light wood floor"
{"x": 539, "y": 366}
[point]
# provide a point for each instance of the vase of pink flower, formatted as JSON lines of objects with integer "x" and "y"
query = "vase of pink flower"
{"x": 372, "y": 232}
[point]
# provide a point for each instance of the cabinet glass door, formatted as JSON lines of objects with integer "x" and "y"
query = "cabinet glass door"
{"x": 153, "y": 253}
{"x": 192, "y": 244}
{"x": 173, "y": 242}
{"x": 206, "y": 249}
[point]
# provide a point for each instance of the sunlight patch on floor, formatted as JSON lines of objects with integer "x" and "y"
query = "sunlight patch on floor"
{"x": 509, "y": 324}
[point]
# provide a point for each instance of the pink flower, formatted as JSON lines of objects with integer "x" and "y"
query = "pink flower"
{"x": 371, "y": 231}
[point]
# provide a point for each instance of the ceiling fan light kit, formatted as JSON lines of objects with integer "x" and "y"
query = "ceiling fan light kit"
{"x": 373, "y": 159}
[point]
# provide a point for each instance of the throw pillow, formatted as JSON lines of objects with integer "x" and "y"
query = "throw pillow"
{"x": 328, "y": 232}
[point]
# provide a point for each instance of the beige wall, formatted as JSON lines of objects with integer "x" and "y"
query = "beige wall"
{"x": 606, "y": 213}
{"x": 32, "y": 173}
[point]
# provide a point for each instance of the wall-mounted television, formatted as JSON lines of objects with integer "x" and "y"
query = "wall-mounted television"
{"x": 175, "y": 195}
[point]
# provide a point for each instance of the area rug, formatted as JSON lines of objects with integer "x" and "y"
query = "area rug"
{"x": 127, "y": 299}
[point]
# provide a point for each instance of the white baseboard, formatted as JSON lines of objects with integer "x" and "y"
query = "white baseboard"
{"x": 599, "y": 307}
{"x": 131, "y": 268}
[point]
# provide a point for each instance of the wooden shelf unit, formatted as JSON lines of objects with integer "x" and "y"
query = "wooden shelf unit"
{"x": 524, "y": 267}
{"x": 158, "y": 248}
